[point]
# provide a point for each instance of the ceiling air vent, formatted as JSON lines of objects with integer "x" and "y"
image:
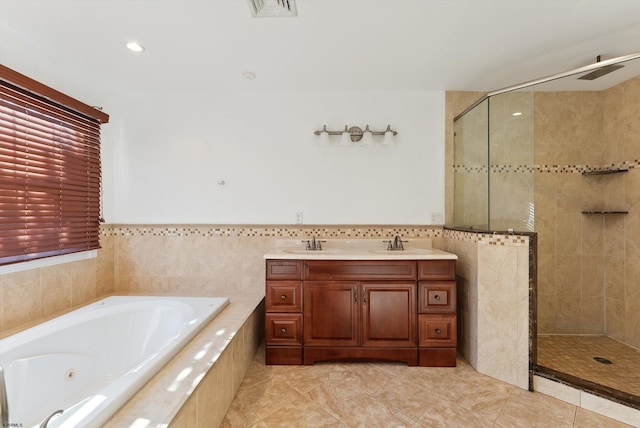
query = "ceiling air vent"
{"x": 264, "y": 8}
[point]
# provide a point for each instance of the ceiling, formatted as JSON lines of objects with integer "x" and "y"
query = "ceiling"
{"x": 400, "y": 45}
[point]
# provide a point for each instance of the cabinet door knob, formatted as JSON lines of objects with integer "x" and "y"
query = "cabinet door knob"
{"x": 283, "y": 330}
{"x": 437, "y": 331}
{"x": 283, "y": 297}
{"x": 437, "y": 297}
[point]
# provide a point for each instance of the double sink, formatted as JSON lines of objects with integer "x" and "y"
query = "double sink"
{"x": 357, "y": 249}
{"x": 329, "y": 251}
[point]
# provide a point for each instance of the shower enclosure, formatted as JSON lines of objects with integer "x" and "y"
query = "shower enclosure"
{"x": 560, "y": 157}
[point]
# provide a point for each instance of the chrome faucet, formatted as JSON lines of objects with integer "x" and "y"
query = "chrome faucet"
{"x": 313, "y": 245}
{"x": 45, "y": 423}
{"x": 396, "y": 244}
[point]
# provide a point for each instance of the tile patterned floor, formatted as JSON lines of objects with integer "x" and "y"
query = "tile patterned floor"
{"x": 574, "y": 355}
{"x": 393, "y": 395}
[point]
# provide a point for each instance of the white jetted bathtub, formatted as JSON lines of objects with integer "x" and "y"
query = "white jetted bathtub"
{"x": 80, "y": 368}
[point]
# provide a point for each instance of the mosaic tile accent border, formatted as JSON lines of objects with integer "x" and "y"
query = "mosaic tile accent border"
{"x": 487, "y": 238}
{"x": 501, "y": 240}
{"x": 571, "y": 169}
{"x": 461, "y": 235}
{"x": 279, "y": 231}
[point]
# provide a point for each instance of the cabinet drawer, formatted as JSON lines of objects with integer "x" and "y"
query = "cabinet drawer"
{"x": 437, "y": 296}
{"x": 437, "y": 331}
{"x": 283, "y": 296}
{"x": 437, "y": 269}
{"x": 360, "y": 270}
{"x": 283, "y": 329}
{"x": 284, "y": 269}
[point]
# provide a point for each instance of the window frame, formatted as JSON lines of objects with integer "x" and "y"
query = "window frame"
{"x": 50, "y": 172}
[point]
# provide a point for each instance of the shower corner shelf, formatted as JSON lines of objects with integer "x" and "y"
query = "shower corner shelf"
{"x": 605, "y": 171}
{"x": 605, "y": 212}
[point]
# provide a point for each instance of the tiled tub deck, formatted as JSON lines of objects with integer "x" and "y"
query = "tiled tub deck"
{"x": 195, "y": 389}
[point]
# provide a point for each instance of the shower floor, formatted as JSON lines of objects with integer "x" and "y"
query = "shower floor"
{"x": 574, "y": 355}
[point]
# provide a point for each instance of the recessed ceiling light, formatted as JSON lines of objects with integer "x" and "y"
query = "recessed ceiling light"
{"x": 135, "y": 47}
{"x": 249, "y": 75}
{"x": 517, "y": 113}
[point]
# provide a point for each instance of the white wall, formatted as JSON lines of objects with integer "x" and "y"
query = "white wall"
{"x": 165, "y": 153}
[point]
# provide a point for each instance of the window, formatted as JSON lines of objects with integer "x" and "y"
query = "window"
{"x": 49, "y": 171}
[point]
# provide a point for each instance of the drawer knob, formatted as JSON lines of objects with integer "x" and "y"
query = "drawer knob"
{"x": 283, "y": 297}
{"x": 437, "y": 331}
{"x": 437, "y": 297}
{"x": 283, "y": 330}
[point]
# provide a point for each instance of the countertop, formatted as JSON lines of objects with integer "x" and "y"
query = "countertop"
{"x": 357, "y": 249}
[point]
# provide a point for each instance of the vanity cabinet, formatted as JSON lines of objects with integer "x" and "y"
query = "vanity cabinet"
{"x": 283, "y": 318}
{"x": 437, "y": 319}
{"x": 360, "y": 320}
{"x": 360, "y": 310}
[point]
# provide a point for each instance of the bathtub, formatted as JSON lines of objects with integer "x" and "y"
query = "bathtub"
{"x": 90, "y": 361}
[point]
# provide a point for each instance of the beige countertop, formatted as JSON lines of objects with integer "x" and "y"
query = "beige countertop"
{"x": 357, "y": 249}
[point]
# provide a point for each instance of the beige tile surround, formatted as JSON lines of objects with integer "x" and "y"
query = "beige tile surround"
{"x": 195, "y": 389}
{"x": 204, "y": 259}
{"x": 30, "y": 296}
{"x": 581, "y": 258}
{"x": 493, "y": 303}
{"x": 212, "y": 260}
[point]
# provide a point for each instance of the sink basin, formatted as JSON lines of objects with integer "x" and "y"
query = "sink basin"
{"x": 299, "y": 251}
{"x": 403, "y": 252}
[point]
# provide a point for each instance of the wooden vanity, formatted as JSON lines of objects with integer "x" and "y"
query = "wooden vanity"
{"x": 379, "y": 309}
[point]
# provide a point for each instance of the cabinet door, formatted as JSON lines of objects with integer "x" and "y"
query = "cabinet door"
{"x": 331, "y": 313}
{"x": 389, "y": 314}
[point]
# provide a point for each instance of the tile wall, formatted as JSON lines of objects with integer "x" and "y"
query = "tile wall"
{"x": 568, "y": 129}
{"x": 167, "y": 259}
{"x": 622, "y": 233}
{"x": 31, "y": 295}
{"x": 581, "y": 258}
{"x": 493, "y": 303}
{"x": 214, "y": 259}
{"x": 585, "y": 258}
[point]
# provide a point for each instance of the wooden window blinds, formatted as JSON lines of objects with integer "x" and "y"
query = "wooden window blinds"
{"x": 49, "y": 171}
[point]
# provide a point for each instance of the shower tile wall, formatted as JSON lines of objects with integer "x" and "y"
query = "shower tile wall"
{"x": 583, "y": 258}
{"x": 622, "y": 233}
{"x": 568, "y": 134}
